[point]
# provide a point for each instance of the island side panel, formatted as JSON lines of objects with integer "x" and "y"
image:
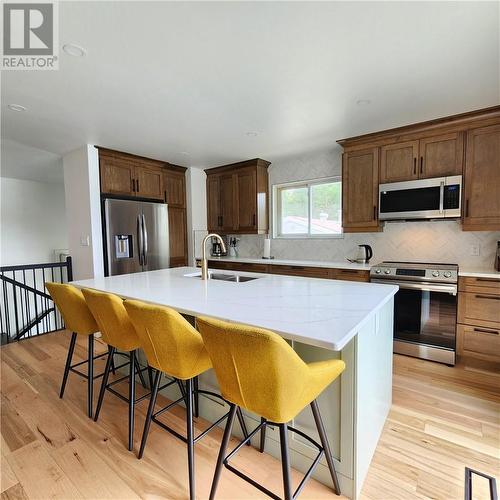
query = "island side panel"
{"x": 373, "y": 389}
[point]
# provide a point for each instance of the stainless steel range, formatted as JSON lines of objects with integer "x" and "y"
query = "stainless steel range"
{"x": 425, "y": 308}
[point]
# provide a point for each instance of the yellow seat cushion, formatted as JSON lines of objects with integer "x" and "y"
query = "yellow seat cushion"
{"x": 73, "y": 308}
{"x": 170, "y": 343}
{"x": 258, "y": 370}
{"x": 112, "y": 319}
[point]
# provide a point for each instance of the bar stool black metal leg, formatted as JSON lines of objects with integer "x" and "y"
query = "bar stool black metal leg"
{"x": 151, "y": 407}
{"x": 131, "y": 401}
{"x": 262, "y": 435}
{"x": 113, "y": 370}
{"x": 243, "y": 426}
{"x": 104, "y": 383}
{"x": 223, "y": 447}
{"x": 150, "y": 376}
{"x": 139, "y": 371}
{"x": 90, "y": 377}
{"x": 190, "y": 438}
{"x": 183, "y": 390}
{"x": 196, "y": 398}
{"x": 285, "y": 462}
{"x": 325, "y": 444}
{"x": 68, "y": 363}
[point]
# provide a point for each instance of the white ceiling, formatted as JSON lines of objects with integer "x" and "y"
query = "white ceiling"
{"x": 24, "y": 162}
{"x": 162, "y": 79}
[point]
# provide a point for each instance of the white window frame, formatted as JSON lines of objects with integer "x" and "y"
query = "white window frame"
{"x": 276, "y": 208}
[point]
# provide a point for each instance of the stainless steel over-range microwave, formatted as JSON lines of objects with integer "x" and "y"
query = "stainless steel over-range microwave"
{"x": 436, "y": 198}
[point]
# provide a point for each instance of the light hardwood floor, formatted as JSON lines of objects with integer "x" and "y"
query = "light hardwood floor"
{"x": 442, "y": 420}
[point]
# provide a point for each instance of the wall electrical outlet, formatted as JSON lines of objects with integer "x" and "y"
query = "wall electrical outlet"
{"x": 85, "y": 240}
{"x": 475, "y": 250}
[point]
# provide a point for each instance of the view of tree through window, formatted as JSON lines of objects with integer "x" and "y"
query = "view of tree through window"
{"x": 309, "y": 209}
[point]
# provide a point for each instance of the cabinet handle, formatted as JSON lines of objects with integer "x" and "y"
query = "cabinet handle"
{"x": 254, "y": 220}
{"x": 483, "y": 330}
{"x": 421, "y": 164}
{"x": 414, "y": 166}
{"x": 374, "y": 212}
{"x": 133, "y": 185}
{"x": 467, "y": 208}
{"x": 165, "y": 195}
{"x": 492, "y": 297}
{"x": 137, "y": 184}
{"x": 490, "y": 280}
{"x": 219, "y": 220}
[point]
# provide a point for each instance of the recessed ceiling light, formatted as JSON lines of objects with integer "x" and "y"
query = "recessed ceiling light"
{"x": 252, "y": 134}
{"x": 363, "y": 102}
{"x": 16, "y": 107}
{"x": 74, "y": 50}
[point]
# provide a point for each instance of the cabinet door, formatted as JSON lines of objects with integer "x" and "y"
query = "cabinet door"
{"x": 174, "y": 188}
{"x": 441, "y": 155}
{"x": 213, "y": 203}
{"x": 398, "y": 162}
{"x": 178, "y": 236}
{"x": 148, "y": 182}
{"x": 228, "y": 203}
{"x": 482, "y": 180}
{"x": 117, "y": 176}
{"x": 360, "y": 191}
{"x": 247, "y": 199}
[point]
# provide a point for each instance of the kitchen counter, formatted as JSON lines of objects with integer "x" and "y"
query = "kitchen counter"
{"x": 322, "y": 319}
{"x": 285, "y": 262}
{"x": 479, "y": 272}
{"x": 323, "y": 313}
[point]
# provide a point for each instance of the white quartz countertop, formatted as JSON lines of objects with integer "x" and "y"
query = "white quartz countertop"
{"x": 319, "y": 312}
{"x": 285, "y": 262}
{"x": 479, "y": 272}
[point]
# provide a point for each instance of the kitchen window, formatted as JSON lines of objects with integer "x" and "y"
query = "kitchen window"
{"x": 308, "y": 209}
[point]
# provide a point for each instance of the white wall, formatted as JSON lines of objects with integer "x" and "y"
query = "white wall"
{"x": 196, "y": 194}
{"x": 33, "y": 221}
{"x": 83, "y": 211}
{"x": 438, "y": 241}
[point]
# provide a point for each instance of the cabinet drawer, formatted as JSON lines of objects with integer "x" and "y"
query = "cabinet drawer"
{"x": 309, "y": 272}
{"x": 238, "y": 266}
{"x": 350, "y": 275}
{"x": 472, "y": 284}
{"x": 480, "y": 309}
{"x": 479, "y": 342}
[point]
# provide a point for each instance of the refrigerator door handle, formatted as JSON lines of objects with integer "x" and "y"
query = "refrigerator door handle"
{"x": 145, "y": 241}
{"x": 140, "y": 239}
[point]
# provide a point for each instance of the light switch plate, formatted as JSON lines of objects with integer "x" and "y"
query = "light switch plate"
{"x": 85, "y": 240}
{"x": 475, "y": 250}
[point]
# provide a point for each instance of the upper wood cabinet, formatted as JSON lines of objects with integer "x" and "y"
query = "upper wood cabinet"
{"x": 238, "y": 198}
{"x": 360, "y": 191}
{"x": 467, "y": 144}
{"x": 174, "y": 186}
{"x": 398, "y": 162}
{"x": 482, "y": 179}
{"x": 123, "y": 174}
{"x": 435, "y": 156}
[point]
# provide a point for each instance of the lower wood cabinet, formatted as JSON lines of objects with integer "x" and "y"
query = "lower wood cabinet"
{"x": 478, "y": 329}
{"x": 304, "y": 271}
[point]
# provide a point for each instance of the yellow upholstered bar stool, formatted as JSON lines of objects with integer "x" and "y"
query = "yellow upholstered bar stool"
{"x": 77, "y": 318}
{"x": 257, "y": 370}
{"x": 119, "y": 333}
{"x": 173, "y": 347}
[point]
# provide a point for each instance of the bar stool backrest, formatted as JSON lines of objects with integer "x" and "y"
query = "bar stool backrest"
{"x": 112, "y": 319}
{"x": 256, "y": 368}
{"x": 170, "y": 343}
{"x": 73, "y": 308}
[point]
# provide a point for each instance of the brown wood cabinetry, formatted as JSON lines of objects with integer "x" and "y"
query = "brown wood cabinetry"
{"x": 467, "y": 144}
{"x": 360, "y": 191}
{"x": 350, "y": 275}
{"x": 238, "y": 198}
{"x": 130, "y": 176}
{"x": 482, "y": 179}
{"x": 304, "y": 271}
{"x": 478, "y": 331}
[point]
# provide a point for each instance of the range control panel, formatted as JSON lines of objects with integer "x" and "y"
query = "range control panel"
{"x": 413, "y": 271}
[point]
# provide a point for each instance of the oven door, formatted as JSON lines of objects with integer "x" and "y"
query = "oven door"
{"x": 425, "y": 317}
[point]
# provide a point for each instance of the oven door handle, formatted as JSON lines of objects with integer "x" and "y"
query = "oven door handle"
{"x": 425, "y": 287}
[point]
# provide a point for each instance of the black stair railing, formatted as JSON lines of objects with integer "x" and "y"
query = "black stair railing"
{"x": 26, "y": 309}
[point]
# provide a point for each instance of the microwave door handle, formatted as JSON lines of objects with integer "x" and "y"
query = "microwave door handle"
{"x": 441, "y": 197}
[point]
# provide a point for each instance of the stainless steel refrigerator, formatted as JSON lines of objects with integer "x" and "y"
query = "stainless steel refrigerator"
{"x": 137, "y": 236}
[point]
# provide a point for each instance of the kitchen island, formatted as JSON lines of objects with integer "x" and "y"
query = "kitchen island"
{"x": 321, "y": 319}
